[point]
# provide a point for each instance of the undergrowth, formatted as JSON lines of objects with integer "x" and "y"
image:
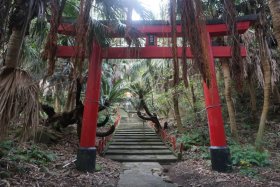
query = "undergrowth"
{"x": 244, "y": 157}
{"x": 247, "y": 156}
{"x": 195, "y": 138}
{"x": 31, "y": 154}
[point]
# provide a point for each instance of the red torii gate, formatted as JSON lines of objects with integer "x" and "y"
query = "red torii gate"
{"x": 220, "y": 155}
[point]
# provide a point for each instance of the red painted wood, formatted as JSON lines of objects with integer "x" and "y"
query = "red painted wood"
{"x": 91, "y": 102}
{"x": 214, "y": 30}
{"x": 146, "y": 52}
{"x": 213, "y": 106}
{"x": 165, "y": 30}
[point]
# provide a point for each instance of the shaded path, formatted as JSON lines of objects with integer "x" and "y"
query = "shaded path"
{"x": 142, "y": 174}
{"x": 140, "y": 150}
{"x": 134, "y": 141}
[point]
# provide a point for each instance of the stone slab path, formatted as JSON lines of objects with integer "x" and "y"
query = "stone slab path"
{"x": 142, "y": 174}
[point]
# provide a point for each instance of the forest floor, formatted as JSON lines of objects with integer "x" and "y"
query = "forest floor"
{"x": 195, "y": 168}
{"x": 193, "y": 172}
{"x": 59, "y": 172}
{"x": 52, "y": 165}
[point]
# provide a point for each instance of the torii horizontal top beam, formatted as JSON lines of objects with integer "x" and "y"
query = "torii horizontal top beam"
{"x": 148, "y": 52}
{"x": 160, "y": 28}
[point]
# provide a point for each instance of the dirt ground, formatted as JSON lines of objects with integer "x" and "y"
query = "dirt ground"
{"x": 194, "y": 171}
{"x": 62, "y": 171}
{"x": 198, "y": 173}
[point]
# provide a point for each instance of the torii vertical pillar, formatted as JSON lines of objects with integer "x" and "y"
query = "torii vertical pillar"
{"x": 86, "y": 157}
{"x": 220, "y": 155}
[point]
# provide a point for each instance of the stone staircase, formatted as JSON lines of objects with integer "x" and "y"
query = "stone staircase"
{"x": 134, "y": 141}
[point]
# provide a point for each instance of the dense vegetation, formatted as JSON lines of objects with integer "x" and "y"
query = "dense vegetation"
{"x": 40, "y": 93}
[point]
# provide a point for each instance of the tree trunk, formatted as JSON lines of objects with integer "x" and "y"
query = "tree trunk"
{"x": 71, "y": 97}
{"x": 176, "y": 65}
{"x": 193, "y": 99}
{"x": 265, "y": 63}
{"x": 57, "y": 105}
{"x": 177, "y": 113}
{"x": 274, "y": 6}
{"x": 13, "y": 49}
{"x": 230, "y": 105}
{"x": 253, "y": 100}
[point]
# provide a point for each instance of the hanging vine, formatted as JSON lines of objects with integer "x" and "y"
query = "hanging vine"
{"x": 49, "y": 53}
{"x": 196, "y": 33}
{"x": 184, "y": 55}
{"x": 82, "y": 32}
{"x": 233, "y": 40}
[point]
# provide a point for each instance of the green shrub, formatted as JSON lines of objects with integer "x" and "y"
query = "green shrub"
{"x": 32, "y": 154}
{"x": 190, "y": 139}
{"x": 247, "y": 156}
{"x": 249, "y": 172}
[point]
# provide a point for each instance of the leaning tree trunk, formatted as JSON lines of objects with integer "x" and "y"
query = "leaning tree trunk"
{"x": 13, "y": 49}
{"x": 265, "y": 63}
{"x": 230, "y": 105}
{"x": 274, "y": 6}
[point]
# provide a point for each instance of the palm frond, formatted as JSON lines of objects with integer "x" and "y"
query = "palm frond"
{"x": 19, "y": 101}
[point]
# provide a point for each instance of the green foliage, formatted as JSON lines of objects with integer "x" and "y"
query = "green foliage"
{"x": 112, "y": 93}
{"x": 194, "y": 138}
{"x": 163, "y": 103}
{"x": 6, "y": 145}
{"x": 98, "y": 168}
{"x": 32, "y": 154}
{"x": 249, "y": 172}
{"x": 248, "y": 156}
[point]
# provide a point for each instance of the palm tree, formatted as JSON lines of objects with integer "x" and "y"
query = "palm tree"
{"x": 266, "y": 68}
{"x": 19, "y": 94}
{"x": 274, "y": 6}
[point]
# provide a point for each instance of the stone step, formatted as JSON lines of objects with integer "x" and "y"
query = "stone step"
{"x": 138, "y": 152}
{"x": 135, "y": 140}
{"x": 137, "y": 147}
{"x": 126, "y": 120}
{"x": 136, "y": 143}
{"x": 132, "y": 123}
{"x": 136, "y": 137}
{"x": 134, "y": 129}
{"x": 135, "y": 134}
{"x": 143, "y": 158}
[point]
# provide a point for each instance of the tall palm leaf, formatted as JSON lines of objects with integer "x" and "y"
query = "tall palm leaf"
{"x": 19, "y": 101}
{"x": 19, "y": 94}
